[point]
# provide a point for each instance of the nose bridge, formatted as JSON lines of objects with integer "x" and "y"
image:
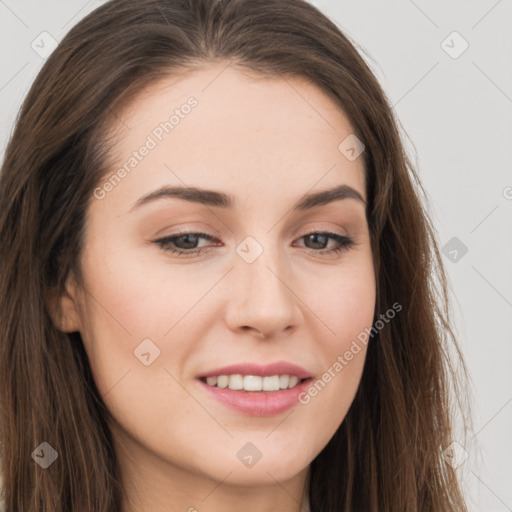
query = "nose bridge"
{"x": 262, "y": 297}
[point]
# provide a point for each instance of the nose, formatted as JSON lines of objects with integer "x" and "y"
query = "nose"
{"x": 261, "y": 297}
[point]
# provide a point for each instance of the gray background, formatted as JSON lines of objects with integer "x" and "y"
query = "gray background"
{"x": 456, "y": 119}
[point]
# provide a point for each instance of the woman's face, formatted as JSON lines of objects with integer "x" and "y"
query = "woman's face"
{"x": 257, "y": 289}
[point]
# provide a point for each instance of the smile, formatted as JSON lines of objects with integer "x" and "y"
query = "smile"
{"x": 238, "y": 382}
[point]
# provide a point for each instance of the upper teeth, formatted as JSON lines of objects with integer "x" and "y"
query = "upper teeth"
{"x": 253, "y": 382}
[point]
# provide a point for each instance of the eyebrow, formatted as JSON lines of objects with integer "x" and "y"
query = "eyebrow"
{"x": 222, "y": 200}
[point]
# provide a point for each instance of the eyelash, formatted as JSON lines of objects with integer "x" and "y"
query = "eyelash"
{"x": 344, "y": 242}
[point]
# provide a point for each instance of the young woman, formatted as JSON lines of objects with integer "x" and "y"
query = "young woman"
{"x": 219, "y": 289}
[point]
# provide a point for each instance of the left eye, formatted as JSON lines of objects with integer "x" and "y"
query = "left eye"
{"x": 186, "y": 243}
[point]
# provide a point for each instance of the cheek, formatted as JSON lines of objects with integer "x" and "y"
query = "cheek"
{"x": 128, "y": 302}
{"x": 346, "y": 301}
{"x": 346, "y": 306}
{"x": 121, "y": 310}
{"x": 136, "y": 297}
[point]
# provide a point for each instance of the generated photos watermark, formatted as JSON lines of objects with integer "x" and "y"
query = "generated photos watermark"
{"x": 343, "y": 360}
{"x": 152, "y": 140}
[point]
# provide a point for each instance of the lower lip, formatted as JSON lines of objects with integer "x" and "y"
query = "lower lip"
{"x": 258, "y": 403}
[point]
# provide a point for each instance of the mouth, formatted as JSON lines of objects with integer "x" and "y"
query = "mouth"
{"x": 253, "y": 395}
{"x": 253, "y": 383}
{"x": 256, "y": 390}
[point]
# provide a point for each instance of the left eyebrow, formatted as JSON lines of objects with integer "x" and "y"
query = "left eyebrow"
{"x": 222, "y": 200}
{"x": 328, "y": 196}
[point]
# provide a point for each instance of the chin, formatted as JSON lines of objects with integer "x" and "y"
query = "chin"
{"x": 270, "y": 467}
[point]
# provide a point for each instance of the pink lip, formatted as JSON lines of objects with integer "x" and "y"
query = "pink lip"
{"x": 258, "y": 403}
{"x": 277, "y": 368}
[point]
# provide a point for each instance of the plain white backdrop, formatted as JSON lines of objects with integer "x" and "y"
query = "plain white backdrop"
{"x": 446, "y": 69}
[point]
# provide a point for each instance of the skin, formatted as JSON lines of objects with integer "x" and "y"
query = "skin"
{"x": 267, "y": 142}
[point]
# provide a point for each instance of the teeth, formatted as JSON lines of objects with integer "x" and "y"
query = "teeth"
{"x": 222, "y": 381}
{"x": 212, "y": 381}
{"x": 236, "y": 382}
{"x": 284, "y": 380}
{"x": 293, "y": 381}
{"x": 253, "y": 382}
{"x": 271, "y": 383}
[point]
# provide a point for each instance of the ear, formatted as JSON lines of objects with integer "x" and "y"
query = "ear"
{"x": 63, "y": 307}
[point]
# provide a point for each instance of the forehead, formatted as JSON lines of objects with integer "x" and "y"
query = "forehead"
{"x": 245, "y": 133}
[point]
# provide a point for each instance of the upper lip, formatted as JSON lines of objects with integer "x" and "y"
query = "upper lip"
{"x": 277, "y": 368}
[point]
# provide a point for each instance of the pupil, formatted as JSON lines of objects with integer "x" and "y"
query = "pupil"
{"x": 189, "y": 244}
{"x": 315, "y": 237}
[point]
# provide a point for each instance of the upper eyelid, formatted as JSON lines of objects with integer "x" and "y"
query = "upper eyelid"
{"x": 213, "y": 237}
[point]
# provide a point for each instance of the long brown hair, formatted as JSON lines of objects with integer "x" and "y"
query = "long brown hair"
{"x": 387, "y": 453}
